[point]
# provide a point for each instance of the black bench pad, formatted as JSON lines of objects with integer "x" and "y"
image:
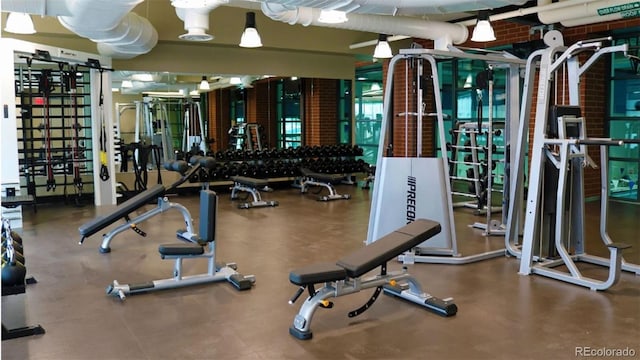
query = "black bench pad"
{"x": 317, "y": 273}
{"x": 250, "y": 181}
{"x": 180, "y": 249}
{"x": 121, "y": 211}
{"x": 328, "y": 178}
{"x": 388, "y": 247}
{"x": 17, "y": 200}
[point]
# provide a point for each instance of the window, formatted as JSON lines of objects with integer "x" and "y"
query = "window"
{"x": 463, "y": 101}
{"x": 368, "y": 110}
{"x": 345, "y": 110}
{"x": 289, "y": 113}
{"x": 624, "y": 121}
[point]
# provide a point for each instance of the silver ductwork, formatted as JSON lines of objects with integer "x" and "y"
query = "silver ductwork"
{"x": 118, "y": 32}
{"x": 442, "y": 32}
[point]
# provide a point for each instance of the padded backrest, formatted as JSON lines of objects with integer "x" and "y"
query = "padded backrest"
{"x": 208, "y": 215}
{"x": 121, "y": 210}
{"x": 388, "y": 247}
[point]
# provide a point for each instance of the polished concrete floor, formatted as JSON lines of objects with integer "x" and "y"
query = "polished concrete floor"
{"x": 502, "y": 315}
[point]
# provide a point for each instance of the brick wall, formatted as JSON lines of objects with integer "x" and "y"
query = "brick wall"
{"x": 261, "y": 109}
{"x": 320, "y": 109}
{"x": 219, "y": 118}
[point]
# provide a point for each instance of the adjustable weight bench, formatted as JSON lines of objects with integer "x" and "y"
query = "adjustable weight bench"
{"x": 310, "y": 178}
{"x": 204, "y": 248}
{"x": 251, "y": 185}
{"x": 123, "y": 210}
{"x": 345, "y": 277}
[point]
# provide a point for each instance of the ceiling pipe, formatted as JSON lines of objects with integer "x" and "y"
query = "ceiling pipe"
{"x": 542, "y": 6}
{"x": 443, "y": 32}
{"x": 585, "y": 13}
{"x": 37, "y": 7}
{"x": 118, "y": 32}
{"x": 394, "y": 7}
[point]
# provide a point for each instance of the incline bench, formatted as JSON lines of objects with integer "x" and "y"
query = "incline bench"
{"x": 251, "y": 185}
{"x": 123, "y": 210}
{"x": 205, "y": 248}
{"x": 344, "y": 277}
{"x": 310, "y": 178}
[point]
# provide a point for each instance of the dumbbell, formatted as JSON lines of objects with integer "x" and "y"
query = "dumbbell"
{"x": 180, "y": 166}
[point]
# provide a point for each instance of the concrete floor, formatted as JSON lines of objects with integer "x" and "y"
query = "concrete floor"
{"x": 502, "y": 315}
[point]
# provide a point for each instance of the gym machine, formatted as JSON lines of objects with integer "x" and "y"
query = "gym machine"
{"x": 203, "y": 248}
{"x": 194, "y": 138}
{"x": 406, "y": 187}
{"x": 553, "y": 236}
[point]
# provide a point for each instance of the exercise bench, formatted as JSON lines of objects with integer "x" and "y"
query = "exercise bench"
{"x": 251, "y": 186}
{"x": 310, "y": 178}
{"x": 158, "y": 191}
{"x": 204, "y": 248}
{"x": 345, "y": 277}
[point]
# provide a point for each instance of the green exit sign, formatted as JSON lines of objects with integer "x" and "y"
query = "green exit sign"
{"x": 630, "y": 7}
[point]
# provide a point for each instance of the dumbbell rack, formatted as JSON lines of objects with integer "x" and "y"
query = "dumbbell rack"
{"x": 284, "y": 164}
{"x": 14, "y": 286}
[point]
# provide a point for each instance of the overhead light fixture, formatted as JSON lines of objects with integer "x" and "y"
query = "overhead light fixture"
{"x": 235, "y": 80}
{"x": 375, "y": 87}
{"x": 204, "y": 84}
{"x": 483, "y": 31}
{"x": 250, "y": 37}
{"x": 383, "y": 50}
{"x": 127, "y": 84}
{"x": 19, "y": 23}
{"x": 194, "y": 93}
{"x": 332, "y": 17}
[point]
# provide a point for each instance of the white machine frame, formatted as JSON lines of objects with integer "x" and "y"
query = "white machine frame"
{"x": 569, "y": 155}
{"x": 426, "y": 191}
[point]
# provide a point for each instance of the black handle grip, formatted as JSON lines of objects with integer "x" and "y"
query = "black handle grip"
{"x": 296, "y": 295}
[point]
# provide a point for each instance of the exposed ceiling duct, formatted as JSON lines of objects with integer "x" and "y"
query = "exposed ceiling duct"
{"x": 400, "y": 25}
{"x": 196, "y": 18}
{"x": 589, "y": 12}
{"x": 121, "y": 33}
{"x": 118, "y": 32}
{"x": 399, "y": 7}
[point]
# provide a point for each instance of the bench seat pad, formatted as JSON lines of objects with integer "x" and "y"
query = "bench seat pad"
{"x": 317, "y": 273}
{"x": 328, "y": 178}
{"x": 180, "y": 249}
{"x": 250, "y": 181}
{"x": 388, "y": 247}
